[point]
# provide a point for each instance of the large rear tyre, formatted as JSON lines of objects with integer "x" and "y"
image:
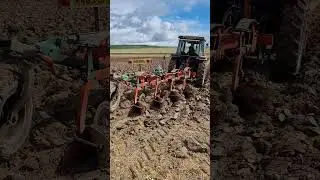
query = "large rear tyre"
{"x": 292, "y": 39}
{"x": 14, "y": 89}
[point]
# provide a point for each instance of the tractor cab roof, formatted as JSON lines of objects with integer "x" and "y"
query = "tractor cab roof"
{"x": 192, "y": 38}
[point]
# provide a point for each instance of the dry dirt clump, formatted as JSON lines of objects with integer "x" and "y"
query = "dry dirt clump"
{"x": 53, "y": 97}
{"x": 269, "y": 130}
{"x": 170, "y": 140}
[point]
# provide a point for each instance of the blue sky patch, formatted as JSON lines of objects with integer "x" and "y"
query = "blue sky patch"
{"x": 158, "y": 22}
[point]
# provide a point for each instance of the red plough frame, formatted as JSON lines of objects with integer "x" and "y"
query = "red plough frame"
{"x": 146, "y": 79}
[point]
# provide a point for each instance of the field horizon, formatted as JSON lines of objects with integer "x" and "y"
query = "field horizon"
{"x": 133, "y": 46}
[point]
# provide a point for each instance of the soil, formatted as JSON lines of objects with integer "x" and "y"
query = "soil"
{"x": 167, "y": 140}
{"x": 54, "y": 98}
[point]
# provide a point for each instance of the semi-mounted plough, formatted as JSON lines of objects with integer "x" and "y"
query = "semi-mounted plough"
{"x": 192, "y": 66}
{"x": 144, "y": 80}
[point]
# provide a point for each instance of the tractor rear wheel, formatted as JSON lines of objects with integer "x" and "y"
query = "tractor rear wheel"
{"x": 203, "y": 73}
{"x": 292, "y": 39}
{"x": 15, "y": 88}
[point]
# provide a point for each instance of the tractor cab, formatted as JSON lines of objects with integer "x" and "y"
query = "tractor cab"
{"x": 191, "y": 53}
{"x": 191, "y": 46}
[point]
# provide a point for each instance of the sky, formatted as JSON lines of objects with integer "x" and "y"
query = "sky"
{"x": 158, "y": 22}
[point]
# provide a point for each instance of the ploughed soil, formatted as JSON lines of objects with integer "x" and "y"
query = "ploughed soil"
{"x": 168, "y": 139}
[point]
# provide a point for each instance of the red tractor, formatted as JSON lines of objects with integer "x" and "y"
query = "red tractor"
{"x": 261, "y": 28}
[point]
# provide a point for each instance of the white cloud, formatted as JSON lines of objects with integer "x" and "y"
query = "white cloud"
{"x": 141, "y": 22}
